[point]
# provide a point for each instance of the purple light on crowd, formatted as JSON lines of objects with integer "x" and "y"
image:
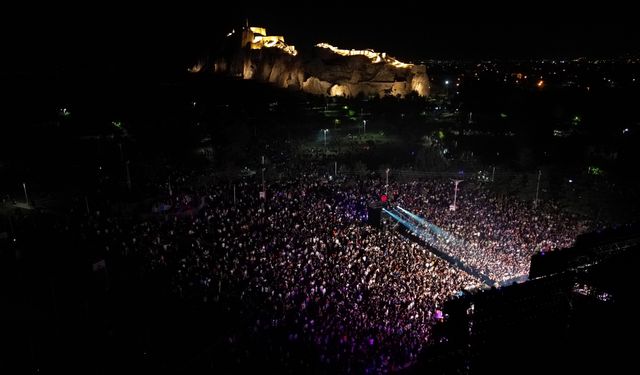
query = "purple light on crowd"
{"x": 438, "y": 315}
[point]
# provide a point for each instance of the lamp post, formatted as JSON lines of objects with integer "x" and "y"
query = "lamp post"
{"x": 325, "y": 131}
{"x": 455, "y": 194}
{"x": 26, "y": 197}
{"x": 121, "y": 153}
{"x": 386, "y": 185}
{"x": 126, "y": 165}
{"x": 364, "y": 123}
{"x": 263, "y": 190}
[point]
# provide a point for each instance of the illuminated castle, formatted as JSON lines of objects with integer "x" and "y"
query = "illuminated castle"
{"x": 325, "y": 70}
{"x": 257, "y": 38}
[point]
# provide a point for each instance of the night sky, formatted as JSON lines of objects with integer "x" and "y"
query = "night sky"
{"x": 119, "y": 39}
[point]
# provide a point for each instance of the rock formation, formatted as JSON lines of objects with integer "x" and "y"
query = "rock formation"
{"x": 325, "y": 70}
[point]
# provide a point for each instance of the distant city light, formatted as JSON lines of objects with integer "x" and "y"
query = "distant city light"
{"x": 540, "y": 83}
{"x": 446, "y": 82}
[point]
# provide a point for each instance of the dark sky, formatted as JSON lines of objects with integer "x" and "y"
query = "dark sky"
{"x": 116, "y": 39}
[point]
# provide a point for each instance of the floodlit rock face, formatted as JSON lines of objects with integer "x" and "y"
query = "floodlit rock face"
{"x": 325, "y": 70}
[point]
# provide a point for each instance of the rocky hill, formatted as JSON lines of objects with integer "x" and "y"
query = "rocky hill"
{"x": 323, "y": 70}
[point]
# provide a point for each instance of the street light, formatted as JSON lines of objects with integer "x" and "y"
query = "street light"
{"x": 263, "y": 189}
{"x": 325, "y": 131}
{"x": 365, "y": 126}
{"x": 386, "y": 186}
{"x": 126, "y": 165}
{"x": 455, "y": 194}
{"x": 26, "y": 197}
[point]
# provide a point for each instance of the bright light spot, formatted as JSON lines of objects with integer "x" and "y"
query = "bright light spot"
{"x": 338, "y": 90}
{"x": 258, "y": 30}
{"x": 540, "y": 83}
{"x": 262, "y": 40}
{"x": 570, "y": 181}
{"x": 446, "y": 82}
{"x": 197, "y": 68}
{"x": 576, "y": 120}
{"x": 626, "y": 130}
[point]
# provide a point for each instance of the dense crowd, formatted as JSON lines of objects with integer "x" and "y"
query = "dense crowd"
{"x": 366, "y": 298}
{"x": 305, "y": 258}
{"x": 495, "y": 235}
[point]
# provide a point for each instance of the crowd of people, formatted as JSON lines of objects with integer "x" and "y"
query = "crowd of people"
{"x": 306, "y": 260}
{"x": 366, "y": 298}
{"x": 495, "y": 235}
